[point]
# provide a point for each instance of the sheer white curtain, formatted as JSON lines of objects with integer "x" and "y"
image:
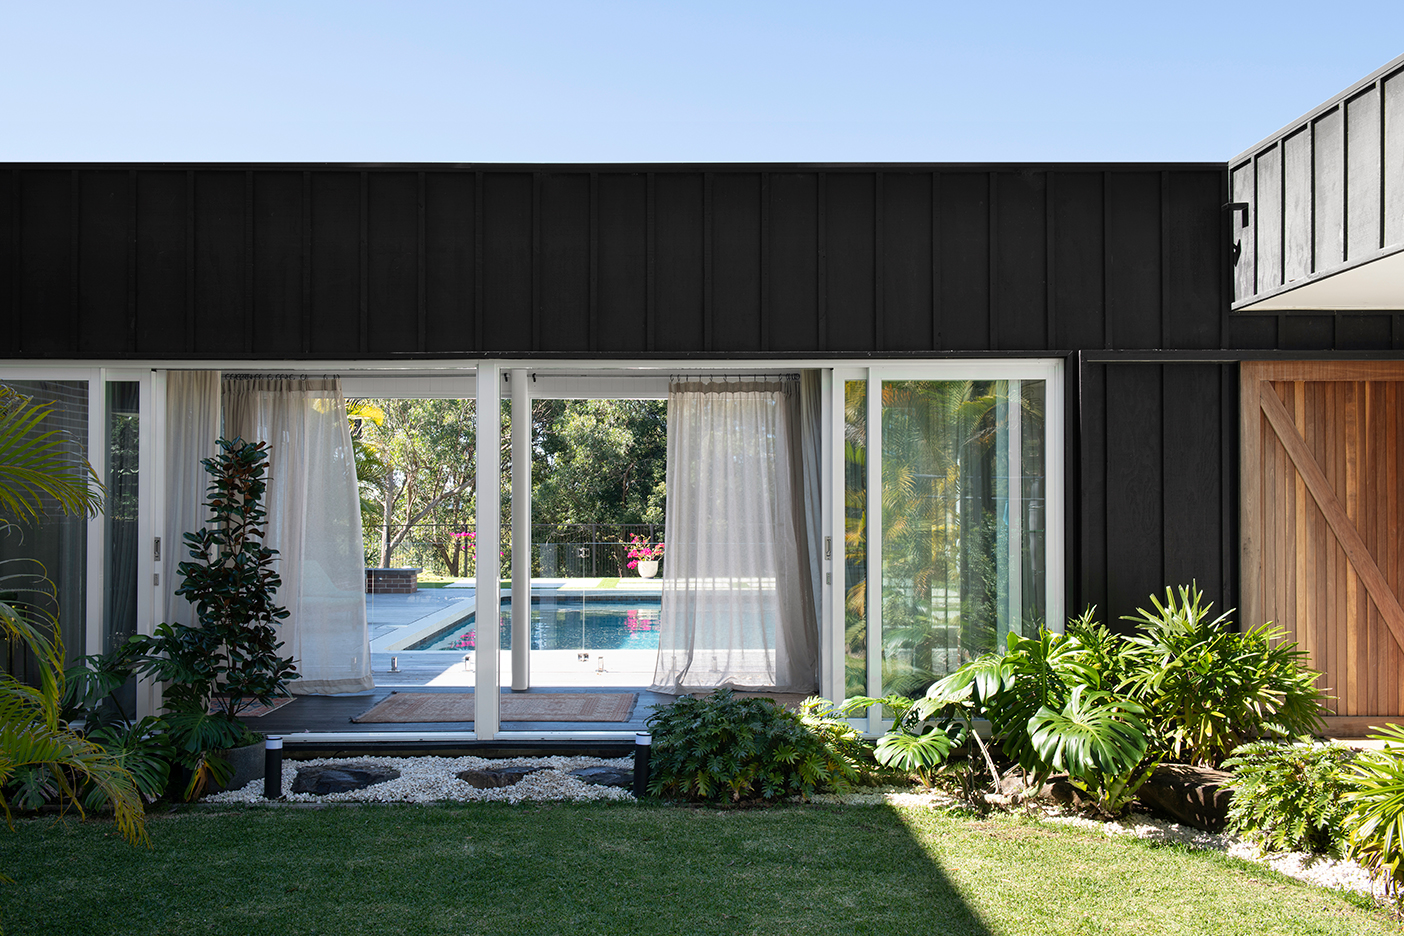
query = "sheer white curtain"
{"x": 314, "y": 521}
{"x": 738, "y": 603}
{"x": 192, "y": 425}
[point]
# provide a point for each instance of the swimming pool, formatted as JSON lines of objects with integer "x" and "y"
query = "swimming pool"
{"x": 558, "y": 622}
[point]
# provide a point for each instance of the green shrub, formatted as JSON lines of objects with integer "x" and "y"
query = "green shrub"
{"x": 830, "y": 723}
{"x": 1209, "y": 688}
{"x": 911, "y": 746}
{"x": 1375, "y": 823}
{"x": 720, "y": 747}
{"x": 1289, "y": 797}
{"x": 1052, "y": 708}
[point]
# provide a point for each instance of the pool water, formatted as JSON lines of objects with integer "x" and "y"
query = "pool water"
{"x": 572, "y": 623}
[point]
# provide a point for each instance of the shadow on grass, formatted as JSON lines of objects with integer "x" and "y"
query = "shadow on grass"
{"x": 487, "y": 869}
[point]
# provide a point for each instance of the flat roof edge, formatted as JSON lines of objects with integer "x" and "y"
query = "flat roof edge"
{"x": 1030, "y": 166}
{"x": 1333, "y": 101}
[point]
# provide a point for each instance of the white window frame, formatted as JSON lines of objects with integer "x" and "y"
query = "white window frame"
{"x": 580, "y": 379}
{"x": 1048, "y": 370}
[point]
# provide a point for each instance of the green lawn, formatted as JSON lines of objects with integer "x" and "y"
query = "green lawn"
{"x": 626, "y": 869}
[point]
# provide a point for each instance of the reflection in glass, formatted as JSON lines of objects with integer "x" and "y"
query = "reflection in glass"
{"x": 120, "y": 556}
{"x": 962, "y": 523}
{"x": 57, "y": 543}
{"x": 855, "y": 538}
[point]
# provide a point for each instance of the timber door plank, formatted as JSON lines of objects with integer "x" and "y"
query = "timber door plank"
{"x": 1392, "y": 417}
{"x": 1322, "y": 549}
{"x": 1272, "y": 457}
{"x": 1351, "y": 477}
{"x": 1301, "y": 625}
{"x": 1250, "y": 434}
{"x": 1346, "y": 534}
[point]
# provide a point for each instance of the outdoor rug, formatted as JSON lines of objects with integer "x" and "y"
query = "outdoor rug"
{"x": 257, "y": 709}
{"x": 417, "y": 707}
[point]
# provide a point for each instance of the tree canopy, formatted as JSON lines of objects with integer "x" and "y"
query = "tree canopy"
{"x": 593, "y": 461}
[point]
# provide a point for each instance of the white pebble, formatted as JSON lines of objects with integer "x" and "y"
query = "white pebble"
{"x": 435, "y": 780}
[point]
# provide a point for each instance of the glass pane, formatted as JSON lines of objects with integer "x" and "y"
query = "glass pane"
{"x": 962, "y": 527}
{"x": 1033, "y": 571}
{"x": 58, "y": 543}
{"x": 855, "y": 537}
{"x": 121, "y": 553}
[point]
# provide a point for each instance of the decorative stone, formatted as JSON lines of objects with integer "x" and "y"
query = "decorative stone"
{"x": 1061, "y": 791}
{"x": 605, "y": 776}
{"x": 340, "y": 778}
{"x": 491, "y": 779}
{"x": 1192, "y": 796}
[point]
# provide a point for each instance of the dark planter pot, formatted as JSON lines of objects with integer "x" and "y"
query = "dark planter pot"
{"x": 247, "y": 762}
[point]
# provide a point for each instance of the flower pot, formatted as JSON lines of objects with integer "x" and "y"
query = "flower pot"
{"x": 648, "y": 568}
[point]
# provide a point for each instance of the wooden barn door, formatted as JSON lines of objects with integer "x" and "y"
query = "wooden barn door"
{"x": 1321, "y": 503}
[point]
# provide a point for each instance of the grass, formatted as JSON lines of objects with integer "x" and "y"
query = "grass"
{"x": 640, "y": 870}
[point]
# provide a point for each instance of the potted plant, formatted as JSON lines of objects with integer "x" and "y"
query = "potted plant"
{"x": 644, "y": 556}
{"x": 230, "y": 661}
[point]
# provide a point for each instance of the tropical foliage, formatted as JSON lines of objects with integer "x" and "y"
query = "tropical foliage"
{"x": 1053, "y": 706}
{"x": 41, "y": 757}
{"x": 1210, "y": 688}
{"x": 1291, "y": 797}
{"x": 1375, "y": 823}
{"x": 721, "y": 747}
{"x": 912, "y": 746}
{"x": 230, "y": 661}
{"x": 1107, "y": 708}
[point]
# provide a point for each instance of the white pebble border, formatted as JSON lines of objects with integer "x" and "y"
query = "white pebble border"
{"x": 1314, "y": 869}
{"x": 435, "y": 780}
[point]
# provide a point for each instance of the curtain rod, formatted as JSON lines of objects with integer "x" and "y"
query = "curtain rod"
{"x": 599, "y": 376}
{"x": 737, "y": 377}
{"x": 280, "y": 375}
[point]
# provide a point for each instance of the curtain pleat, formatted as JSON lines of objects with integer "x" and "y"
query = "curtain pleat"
{"x": 314, "y": 521}
{"x": 192, "y": 426}
{"x": 738, "y": 602}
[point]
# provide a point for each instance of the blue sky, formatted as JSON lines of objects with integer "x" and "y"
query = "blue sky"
{"x": 677, "y": 82}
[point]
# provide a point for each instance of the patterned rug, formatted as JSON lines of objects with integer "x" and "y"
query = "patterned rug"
{"x": 418, "y": 707}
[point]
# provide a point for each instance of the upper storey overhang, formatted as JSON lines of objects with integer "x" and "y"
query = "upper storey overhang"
{"x": 1323, "y": 227}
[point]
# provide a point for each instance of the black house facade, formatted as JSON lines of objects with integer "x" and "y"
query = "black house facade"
{"x": 1160, "y": 306}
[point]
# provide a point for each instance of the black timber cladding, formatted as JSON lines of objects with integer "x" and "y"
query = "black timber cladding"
{"x": 1122, "y": 269}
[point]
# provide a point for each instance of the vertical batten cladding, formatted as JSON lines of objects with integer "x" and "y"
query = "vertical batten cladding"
{"x": 1392, "y": 158}
{"x": 1325, "y": 191}
{"x": 507, "y": 311}
{"x": 338, "y": 262}
{"x": 622, "y": 229}
{"x": 562, "y": 268}
{"x": 735, "y": 264}
{"x": 160, "y": 261}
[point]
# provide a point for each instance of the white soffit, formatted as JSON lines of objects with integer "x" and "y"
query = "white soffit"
{"x": 1372, "y": 286}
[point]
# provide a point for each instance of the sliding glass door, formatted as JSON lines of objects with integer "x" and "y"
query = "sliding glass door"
{"x": 101, "y": 568}
{"x": 950, "y": 502}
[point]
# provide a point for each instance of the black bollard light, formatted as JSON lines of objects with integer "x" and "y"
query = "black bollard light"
{"x": 643, "y": 745}
{"x": 273, "y": 767}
